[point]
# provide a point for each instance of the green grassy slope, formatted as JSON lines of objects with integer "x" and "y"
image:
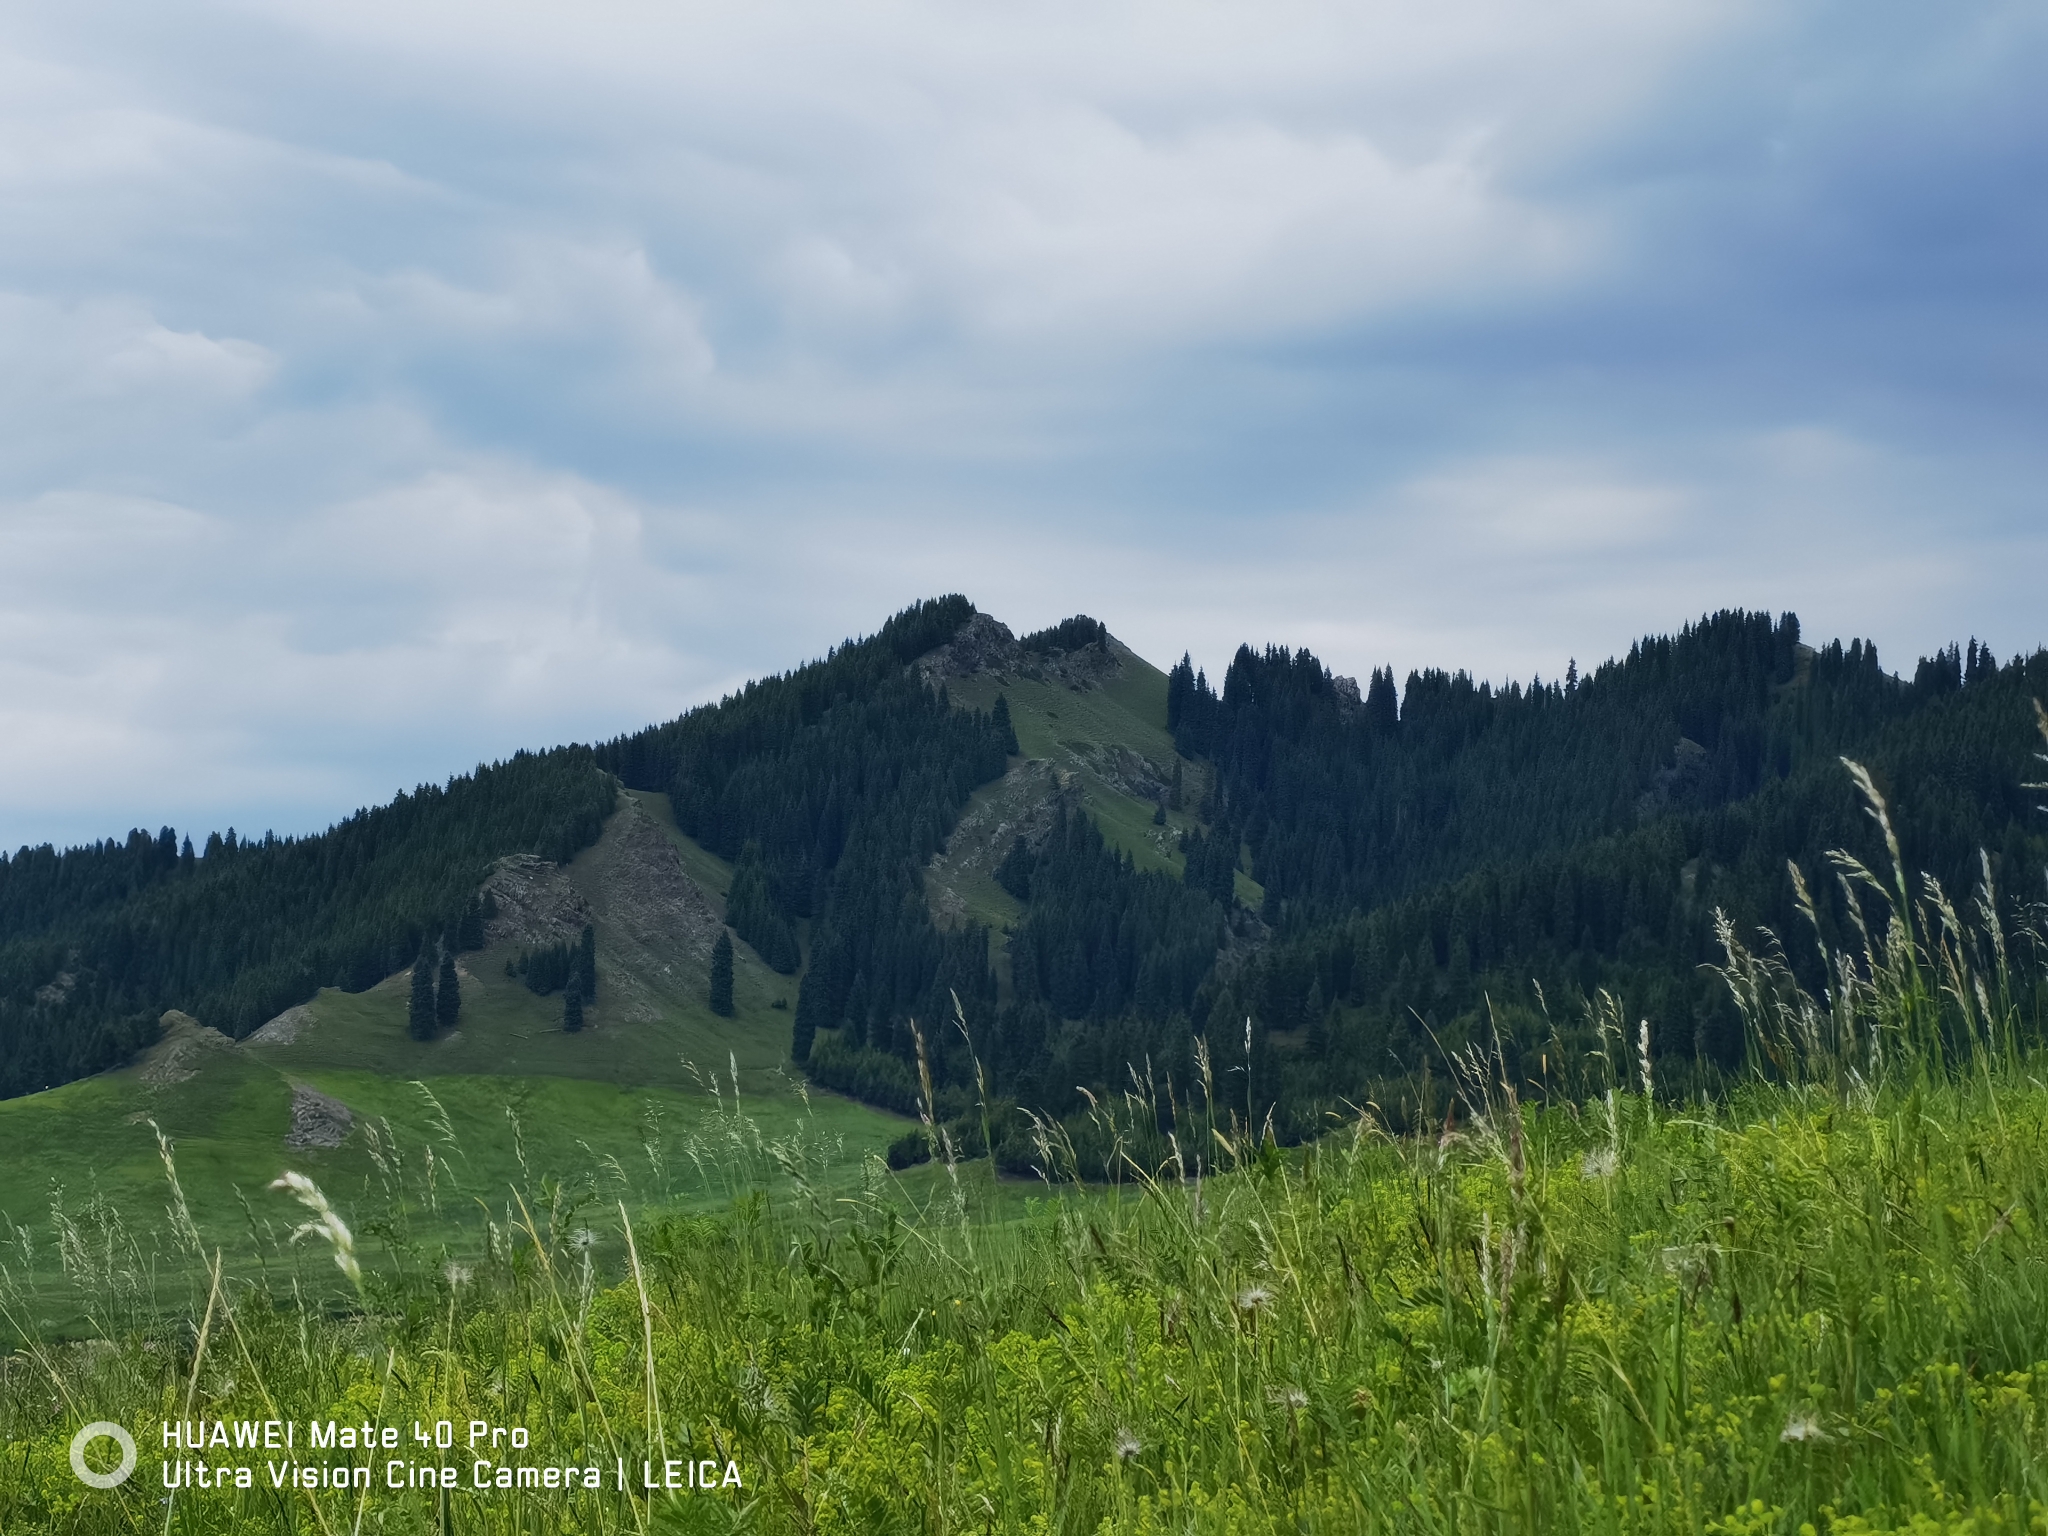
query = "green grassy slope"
{"x": 620, "y": 1106}
{"x": 712, "y": 874}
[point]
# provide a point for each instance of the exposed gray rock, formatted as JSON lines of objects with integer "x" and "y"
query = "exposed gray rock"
{"x": 285, "y": 1028}
{"x": 986, "y": 645}
{"x": 645, "y": 893}
{"x": 1130, "y": 772}
{"x": 317, "y": 1120}
{"x": 182, "y": 1051}
{"x": 536, "y": 902}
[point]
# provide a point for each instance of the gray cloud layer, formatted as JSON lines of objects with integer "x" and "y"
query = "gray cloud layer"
{"x": 391, "y": 386}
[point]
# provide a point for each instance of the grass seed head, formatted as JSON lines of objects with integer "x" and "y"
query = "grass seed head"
{"x": 326, "y": 1223}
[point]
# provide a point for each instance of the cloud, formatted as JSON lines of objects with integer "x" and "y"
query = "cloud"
{"x": 394, "y": 385}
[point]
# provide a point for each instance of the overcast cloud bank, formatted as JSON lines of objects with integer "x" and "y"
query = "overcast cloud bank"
{"x": 391, "y": 387}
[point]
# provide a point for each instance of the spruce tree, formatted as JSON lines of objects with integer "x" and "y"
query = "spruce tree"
{"x": 419, "y": 1017}
{"x": 472, "y": 931}
{"x": 572, "y": 1010}
{"x": 587, "y": 963}
{"x": 721, "y": 975}
{"x": 1004, "y": 728}
{"x": 448, "y": 991}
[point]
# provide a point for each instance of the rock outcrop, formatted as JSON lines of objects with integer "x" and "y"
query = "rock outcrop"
{"x": 986, "y": 645}
{"x": 182, "y": 1050}
{"x": 536, "y": 903}
{"x": 317, "y": 1119}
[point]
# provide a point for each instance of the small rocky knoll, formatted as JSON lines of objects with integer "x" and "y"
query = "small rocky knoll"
{"x": 285, "y": 1028}
{"x": 986, "y": 644}
{"x": 182, "y": 1051}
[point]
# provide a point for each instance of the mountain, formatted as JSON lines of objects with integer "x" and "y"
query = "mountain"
{"x": 1282, "y": 890}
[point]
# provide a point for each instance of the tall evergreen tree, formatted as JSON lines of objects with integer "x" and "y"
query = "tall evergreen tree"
{"x": 447, "y": 991}
{"x": 587, "y": 963}
{"x": 1004, "y": 729}
{"x": 572, "y": 1009}
{"x": 420, "y": 1017}
{"x": 471, "y": 935}
{"x": 721, "y": 975}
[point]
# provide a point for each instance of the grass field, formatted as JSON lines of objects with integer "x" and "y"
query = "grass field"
{"x": 625, "y": 1102}
{"x": 1817, "y": 1304}
{"x": 645, "y": 1254}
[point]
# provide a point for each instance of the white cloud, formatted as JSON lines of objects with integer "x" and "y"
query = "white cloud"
{"x": 391, "y": 384}
{"x": 111, "y": 355}
{"x": 1529, "y": 506}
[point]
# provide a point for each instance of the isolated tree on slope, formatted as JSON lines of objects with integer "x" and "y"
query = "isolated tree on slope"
{"x": 572, "y": 1009}
{"x": 419, "y": 1018}
{"x": 587, "y": 963}
{"x": 448, "y": 991}
{"x": 472, "y": 931}
{"x": 721, "y": 975}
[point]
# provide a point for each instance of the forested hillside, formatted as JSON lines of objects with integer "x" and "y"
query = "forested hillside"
{"x": 1435, "y": 859}
{"x": 1581, "y": 835}
{"x": 96, "y": 942}
{"x": 1452, "y": 858}
{"x": 832, "y": 786}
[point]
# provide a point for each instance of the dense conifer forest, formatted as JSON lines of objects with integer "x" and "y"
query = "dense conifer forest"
{"x": 831, "y": 787}
{"x": 96, "y": 942}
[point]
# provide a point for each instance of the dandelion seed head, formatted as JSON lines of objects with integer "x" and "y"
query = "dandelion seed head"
{"x": 1802, "y": 1426}
{"x": 1292, "y": 1398}
{"x": 1599, "y": 1163}
{"x": 1127, "y": 1445}
{"x": 1253, "y": 1297}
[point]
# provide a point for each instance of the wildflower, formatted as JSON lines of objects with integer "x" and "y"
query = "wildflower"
{"x": 1688, "y": 1261}
{"x": 1292, "y": 1398}
{"x": 1127, "y": 1445}
{"x": 582, "y": 1239}
{"x": 1802, "y": 1426}
{"x": 457, "y": 1275}
{"x": 1253, "y": 1298}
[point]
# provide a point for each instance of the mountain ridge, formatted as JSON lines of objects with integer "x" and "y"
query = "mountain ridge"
{"x": 1299, "y": 806}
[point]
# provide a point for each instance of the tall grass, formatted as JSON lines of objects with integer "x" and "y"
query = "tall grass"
{"x": 1818, "y": 1303}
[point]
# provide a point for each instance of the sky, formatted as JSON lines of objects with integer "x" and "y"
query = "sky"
{"x": 388, "y": 387}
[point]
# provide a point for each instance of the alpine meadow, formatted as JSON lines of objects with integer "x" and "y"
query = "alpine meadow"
{"x": 984, "y": 1083}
